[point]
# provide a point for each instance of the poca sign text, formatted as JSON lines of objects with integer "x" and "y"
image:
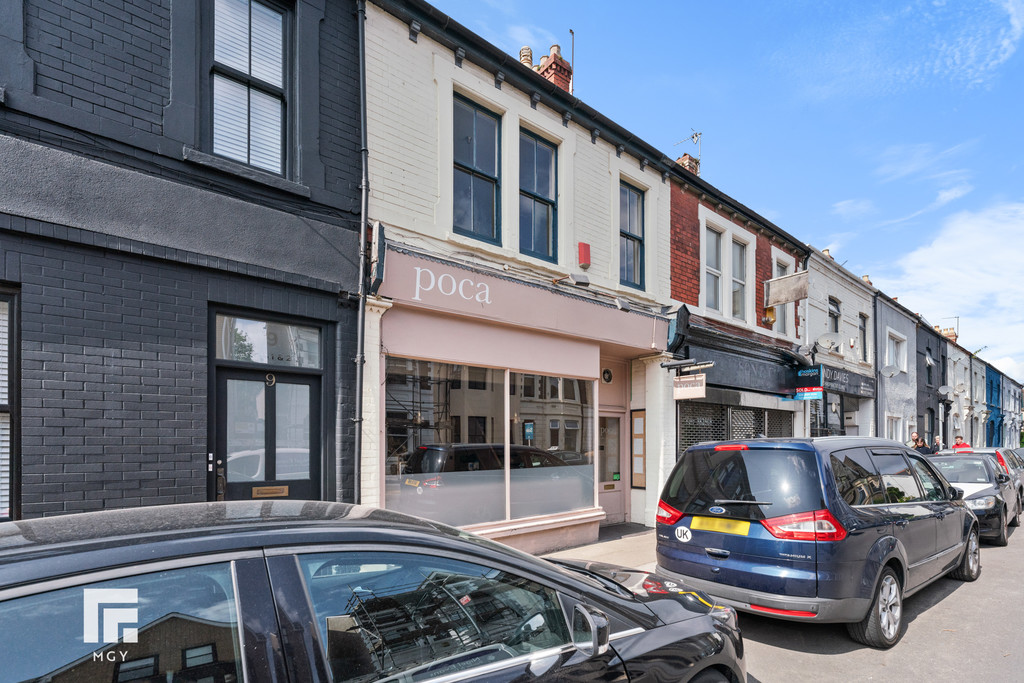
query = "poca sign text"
{"x": 448, "y": 285}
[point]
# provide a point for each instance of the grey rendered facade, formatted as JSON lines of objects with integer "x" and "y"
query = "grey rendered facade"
{"x": 123, "y": 237}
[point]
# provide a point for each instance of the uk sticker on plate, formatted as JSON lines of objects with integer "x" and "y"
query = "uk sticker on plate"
{"x": 737, "y": 527}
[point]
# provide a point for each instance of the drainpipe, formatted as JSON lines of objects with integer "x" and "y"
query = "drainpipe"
{"x": 364, "y": 209}
{"x": 879, "y": 412}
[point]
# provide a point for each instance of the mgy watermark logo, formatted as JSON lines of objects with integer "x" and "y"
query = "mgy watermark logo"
{"x": 112, "y": 618}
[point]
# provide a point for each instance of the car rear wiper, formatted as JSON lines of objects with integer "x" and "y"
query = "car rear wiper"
{"x": 741, "y": 502}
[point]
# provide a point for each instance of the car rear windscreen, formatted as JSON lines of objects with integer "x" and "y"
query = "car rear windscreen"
{"x": 748, "y": 484}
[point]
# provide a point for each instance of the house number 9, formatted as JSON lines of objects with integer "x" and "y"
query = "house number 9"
{"x": 271, "y": 380}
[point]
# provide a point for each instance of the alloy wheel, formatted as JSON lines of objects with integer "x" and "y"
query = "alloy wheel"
{"x": 890, "y": 607}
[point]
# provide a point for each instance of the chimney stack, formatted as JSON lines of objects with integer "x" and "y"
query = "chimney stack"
{"x": 690, "y": 163}
{"x": 948, "y": 333}
{"x": 866, "y": 279}
{"x": 552, "y": 66}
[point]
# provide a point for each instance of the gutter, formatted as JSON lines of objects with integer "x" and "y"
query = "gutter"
{"x": 364, "y": 210}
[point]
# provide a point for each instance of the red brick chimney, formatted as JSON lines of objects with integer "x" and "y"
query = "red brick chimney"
{"x": 691, "y": 164}
{"x": 554, "y": 68}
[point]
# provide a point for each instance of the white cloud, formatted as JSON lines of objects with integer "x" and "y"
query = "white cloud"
{"x": 942, "y": 279}
{"x": 876, "y": 48}
{"x": 850, "y": 209}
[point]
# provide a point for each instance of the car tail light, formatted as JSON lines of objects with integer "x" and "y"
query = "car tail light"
{"x": 783, "y": 612}
{"x": 1002, "y": 463}
{"x": 806, "y": 526}
{"x": 731, "y": 447}
{"x": 668, "y": 514}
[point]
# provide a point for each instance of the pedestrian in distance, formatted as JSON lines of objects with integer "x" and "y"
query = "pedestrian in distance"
{"x": 913, "y": 440}
{"x": 959, "y": 443}
{"x": 922, "y": 447}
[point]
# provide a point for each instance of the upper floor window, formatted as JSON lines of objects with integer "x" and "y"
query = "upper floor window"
{"x": 249, "y": 84}
{"x": 538, "y": 227}
{"x": 863, "y": 329}
{"x": 631, "y": 236}
{"x": 477, "y": 175}
{"x": 739, "y": 280}
{"x": 713, "y": 270}
{"x": 895, "y": 353}
{"x": 834, "y": 314}
{"x": 782, "y": 310}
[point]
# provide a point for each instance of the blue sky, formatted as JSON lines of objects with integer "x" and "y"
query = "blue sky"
{"x": 888, "y": 132}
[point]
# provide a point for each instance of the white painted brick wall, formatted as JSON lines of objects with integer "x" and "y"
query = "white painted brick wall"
{"x": 410, "y": 89}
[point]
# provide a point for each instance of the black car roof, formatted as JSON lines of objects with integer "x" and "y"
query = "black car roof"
{"x": 55, "y": 546}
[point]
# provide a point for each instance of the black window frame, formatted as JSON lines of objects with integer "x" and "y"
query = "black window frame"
{"x": 476, "y": 172}
{"x": 835, "y": 314}
{"x": 637, "y": 239}
{"x": 550, "y": 202}
{"x": 212, "y": 69}
{"x": 13, "y": 405}
{"x": 863, "y": 327}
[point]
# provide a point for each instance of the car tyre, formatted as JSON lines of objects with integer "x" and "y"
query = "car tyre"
{"x": 710, "y": 676}
{"x": 969, "y": 568}
{"x": 1016, "y": 518}
{"x": 1004, "y": 535}
{"x": 883, "y": 625}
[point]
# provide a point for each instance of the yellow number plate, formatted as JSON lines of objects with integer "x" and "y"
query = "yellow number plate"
{"x": 411, "y": 482}
{"x": 726, "y": 526}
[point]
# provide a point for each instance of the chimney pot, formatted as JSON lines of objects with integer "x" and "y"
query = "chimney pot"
{"x": 690, "y": 163}
{"x": 526, "y": 56}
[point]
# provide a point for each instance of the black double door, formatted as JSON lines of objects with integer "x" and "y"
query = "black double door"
{"x": 268, "y": 441}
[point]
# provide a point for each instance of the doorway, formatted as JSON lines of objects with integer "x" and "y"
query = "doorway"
{"x": 268, "y": 435}
{"x": 611, "y": 487}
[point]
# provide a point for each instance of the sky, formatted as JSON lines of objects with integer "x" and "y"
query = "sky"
{"x": 887, "y": 131}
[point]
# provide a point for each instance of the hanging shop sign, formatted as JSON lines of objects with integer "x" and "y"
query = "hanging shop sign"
{"x": 689, "y": 386}
{"x": 809, "y": 385}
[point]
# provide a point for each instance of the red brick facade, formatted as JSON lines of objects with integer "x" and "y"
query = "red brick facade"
{"x": 685, "y": 255}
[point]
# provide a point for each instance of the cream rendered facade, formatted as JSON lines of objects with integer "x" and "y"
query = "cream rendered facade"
{"x": 830, "y": 286}
{"x": 411, "y": 90}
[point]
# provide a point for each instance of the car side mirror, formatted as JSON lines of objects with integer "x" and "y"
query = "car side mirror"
{"x": 1002, "y": 478}
{"x": 589, "y": 630}
{"x": 955, "y": 493}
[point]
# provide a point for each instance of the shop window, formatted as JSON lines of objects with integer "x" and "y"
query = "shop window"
{"x": 477, "y": 379}
{"x": 569, "y": 389}
{"x": 457, "y": 476}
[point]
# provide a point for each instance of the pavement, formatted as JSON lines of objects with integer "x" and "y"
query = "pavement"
{"x": 627, "y": 545}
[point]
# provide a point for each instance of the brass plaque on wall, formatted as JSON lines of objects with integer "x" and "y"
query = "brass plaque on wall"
{"x": 269, "y": 491}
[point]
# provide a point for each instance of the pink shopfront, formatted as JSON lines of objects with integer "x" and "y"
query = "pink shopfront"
{"x": 505, "y": 404}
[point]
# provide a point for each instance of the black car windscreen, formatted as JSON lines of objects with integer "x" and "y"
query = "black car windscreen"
{"x": 748, "y": 484}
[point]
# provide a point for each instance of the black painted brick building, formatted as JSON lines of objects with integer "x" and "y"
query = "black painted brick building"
{"x": 132, "y": 249}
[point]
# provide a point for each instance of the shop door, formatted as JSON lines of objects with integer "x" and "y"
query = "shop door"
{"x": 268, "y": 435}
{"x": 611, "y": 489}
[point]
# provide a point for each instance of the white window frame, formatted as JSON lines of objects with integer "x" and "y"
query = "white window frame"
{"x": 894, "y": 427}
{"x": 785, "y": 324}
{"x": 892, "y": 335}
{"x": 730, "y": 232}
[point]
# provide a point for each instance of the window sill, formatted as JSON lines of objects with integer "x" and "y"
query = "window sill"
{"x": 248, "y": 172}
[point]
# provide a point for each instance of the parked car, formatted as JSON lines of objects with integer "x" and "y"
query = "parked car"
{"x": 832, "y": 529}
{"x": 1008, "y": 461}
{"x": 988, "y": 491}
{"x": 311, "y": 591}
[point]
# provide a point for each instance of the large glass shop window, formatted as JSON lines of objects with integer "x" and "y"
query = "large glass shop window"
{"x": 446, "y": 449}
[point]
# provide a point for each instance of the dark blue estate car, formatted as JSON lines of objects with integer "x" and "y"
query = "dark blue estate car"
{"x": 305, "y": 592}
{"x": 832, "y": 529}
